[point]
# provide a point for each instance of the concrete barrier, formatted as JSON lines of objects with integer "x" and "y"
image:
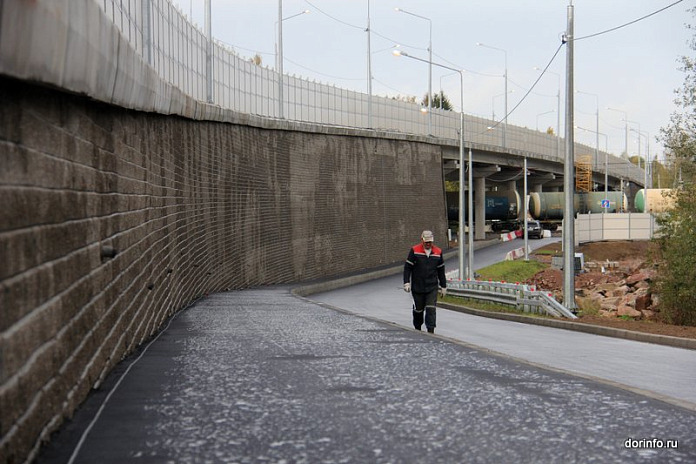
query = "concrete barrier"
{"x": 516, "y": 253}
{"x": 507, "y": 237}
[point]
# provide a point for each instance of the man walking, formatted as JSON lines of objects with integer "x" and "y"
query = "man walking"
{"x": 423, "y": 270}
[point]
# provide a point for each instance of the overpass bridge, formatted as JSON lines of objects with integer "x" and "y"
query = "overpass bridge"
{"x": 145, "y": 165}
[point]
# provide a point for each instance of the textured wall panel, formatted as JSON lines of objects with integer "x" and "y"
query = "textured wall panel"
{"x": 191, "y": 207}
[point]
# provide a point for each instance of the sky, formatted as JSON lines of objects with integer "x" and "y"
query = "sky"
{"x": 634, "y": 69}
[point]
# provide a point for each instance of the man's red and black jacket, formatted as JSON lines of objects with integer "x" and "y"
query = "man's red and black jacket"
{"x": 423, "y": 271}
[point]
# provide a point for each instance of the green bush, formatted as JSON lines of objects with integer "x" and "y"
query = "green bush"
{"x": 676, "y": 280}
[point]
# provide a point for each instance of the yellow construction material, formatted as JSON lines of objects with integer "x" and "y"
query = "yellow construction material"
{"x": 583, "y": 173}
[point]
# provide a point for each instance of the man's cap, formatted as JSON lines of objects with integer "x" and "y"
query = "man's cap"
{"x": 427, "y": 236}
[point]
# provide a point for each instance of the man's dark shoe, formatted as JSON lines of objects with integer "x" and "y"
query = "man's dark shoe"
{"x": 432, "y": 331}
{"x": 417, "y": 328}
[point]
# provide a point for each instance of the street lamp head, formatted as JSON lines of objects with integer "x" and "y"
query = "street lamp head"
{"x": 424, "y": 109}
{"x": 295, "y": 15}
{"x": 398, "y": 53}
{"x": 397, "y": 9}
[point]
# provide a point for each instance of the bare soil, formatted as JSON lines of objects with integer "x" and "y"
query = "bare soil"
{"x": 631, "y": 256}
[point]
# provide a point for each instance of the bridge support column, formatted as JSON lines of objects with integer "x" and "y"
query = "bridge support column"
{"x": 480, "y": 214}
{"x": 511, "y": 185}
{"x": 536, "y": 188}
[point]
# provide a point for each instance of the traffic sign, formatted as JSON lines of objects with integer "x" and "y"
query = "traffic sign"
{"x": 605, "y": 203}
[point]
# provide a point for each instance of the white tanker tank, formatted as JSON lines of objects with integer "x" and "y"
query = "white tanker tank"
{"x": 659, "y": 200}
{"x": 550, "y": 205}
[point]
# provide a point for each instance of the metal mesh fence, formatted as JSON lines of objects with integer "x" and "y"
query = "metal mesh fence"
{"x": 177, "y": 50}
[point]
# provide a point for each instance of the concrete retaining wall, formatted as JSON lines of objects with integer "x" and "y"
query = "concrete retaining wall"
{"x": 112, "y": 220}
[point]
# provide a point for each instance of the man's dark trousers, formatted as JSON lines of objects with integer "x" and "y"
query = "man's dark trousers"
{"x": 424, "y": 302}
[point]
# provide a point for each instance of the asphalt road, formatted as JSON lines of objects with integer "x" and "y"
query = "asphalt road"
{"x": 659, "y": 371}
{"x": 262, "y": 376}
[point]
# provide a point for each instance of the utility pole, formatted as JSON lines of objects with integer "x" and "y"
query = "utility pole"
{"x": 569, "y": 175}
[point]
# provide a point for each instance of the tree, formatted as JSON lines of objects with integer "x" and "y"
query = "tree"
{"x": 440, "y": 100}
{"x": 550, "y": 131}
{"x": 257, "y": 60}
{"x": 404, "y": 98}
{"x": 637, "y": 160}
{"x": 677, "y": 243}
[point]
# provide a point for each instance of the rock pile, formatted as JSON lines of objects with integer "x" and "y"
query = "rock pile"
{"x": 612, "y": 289}
{"x": 630, "y": 296}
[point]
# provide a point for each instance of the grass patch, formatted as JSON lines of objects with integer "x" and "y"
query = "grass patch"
{"x": 512, "y": 271}
{"x": 546, "y": 252}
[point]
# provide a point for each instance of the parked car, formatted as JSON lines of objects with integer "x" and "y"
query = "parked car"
{"x": 534, "y": 229}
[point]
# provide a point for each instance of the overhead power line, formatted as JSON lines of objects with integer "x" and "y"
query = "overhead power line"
{"x": 326, "y": 75}
{"x": 541, "y": 74}
{"x": 333, "y": 17}
{"x": 630, "y": 22}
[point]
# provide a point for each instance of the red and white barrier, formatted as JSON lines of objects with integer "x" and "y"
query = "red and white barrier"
{"x": 516, "y": 253}
{"x": 507, "y": 237}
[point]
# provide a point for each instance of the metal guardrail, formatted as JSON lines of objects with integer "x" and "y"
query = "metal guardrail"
{"x": 521, "y": 296}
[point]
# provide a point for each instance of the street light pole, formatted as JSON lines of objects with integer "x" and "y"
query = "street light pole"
{"x": 279, "y": 54}
{"x": 441, "y": 92}
{"x": 596, "y": 131}
{"x": 541, "y": 114}
{"x": 493, "y": 103}
{"x": 606, "y": 164}
{"x": 645, "y": 134}
{"x": 625, "y": 126}
{"x": 430, "y": 67}
{"x": 558, "y": 111}
{"x": 505, "y": 76}
{"x": 470, "y": 270}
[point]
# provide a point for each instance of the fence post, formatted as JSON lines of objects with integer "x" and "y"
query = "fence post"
{"x": 208, "y": 54}
{"x": 147, "y": 30}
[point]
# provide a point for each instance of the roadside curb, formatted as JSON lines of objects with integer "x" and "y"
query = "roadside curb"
{"x": 676, "y": 342}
